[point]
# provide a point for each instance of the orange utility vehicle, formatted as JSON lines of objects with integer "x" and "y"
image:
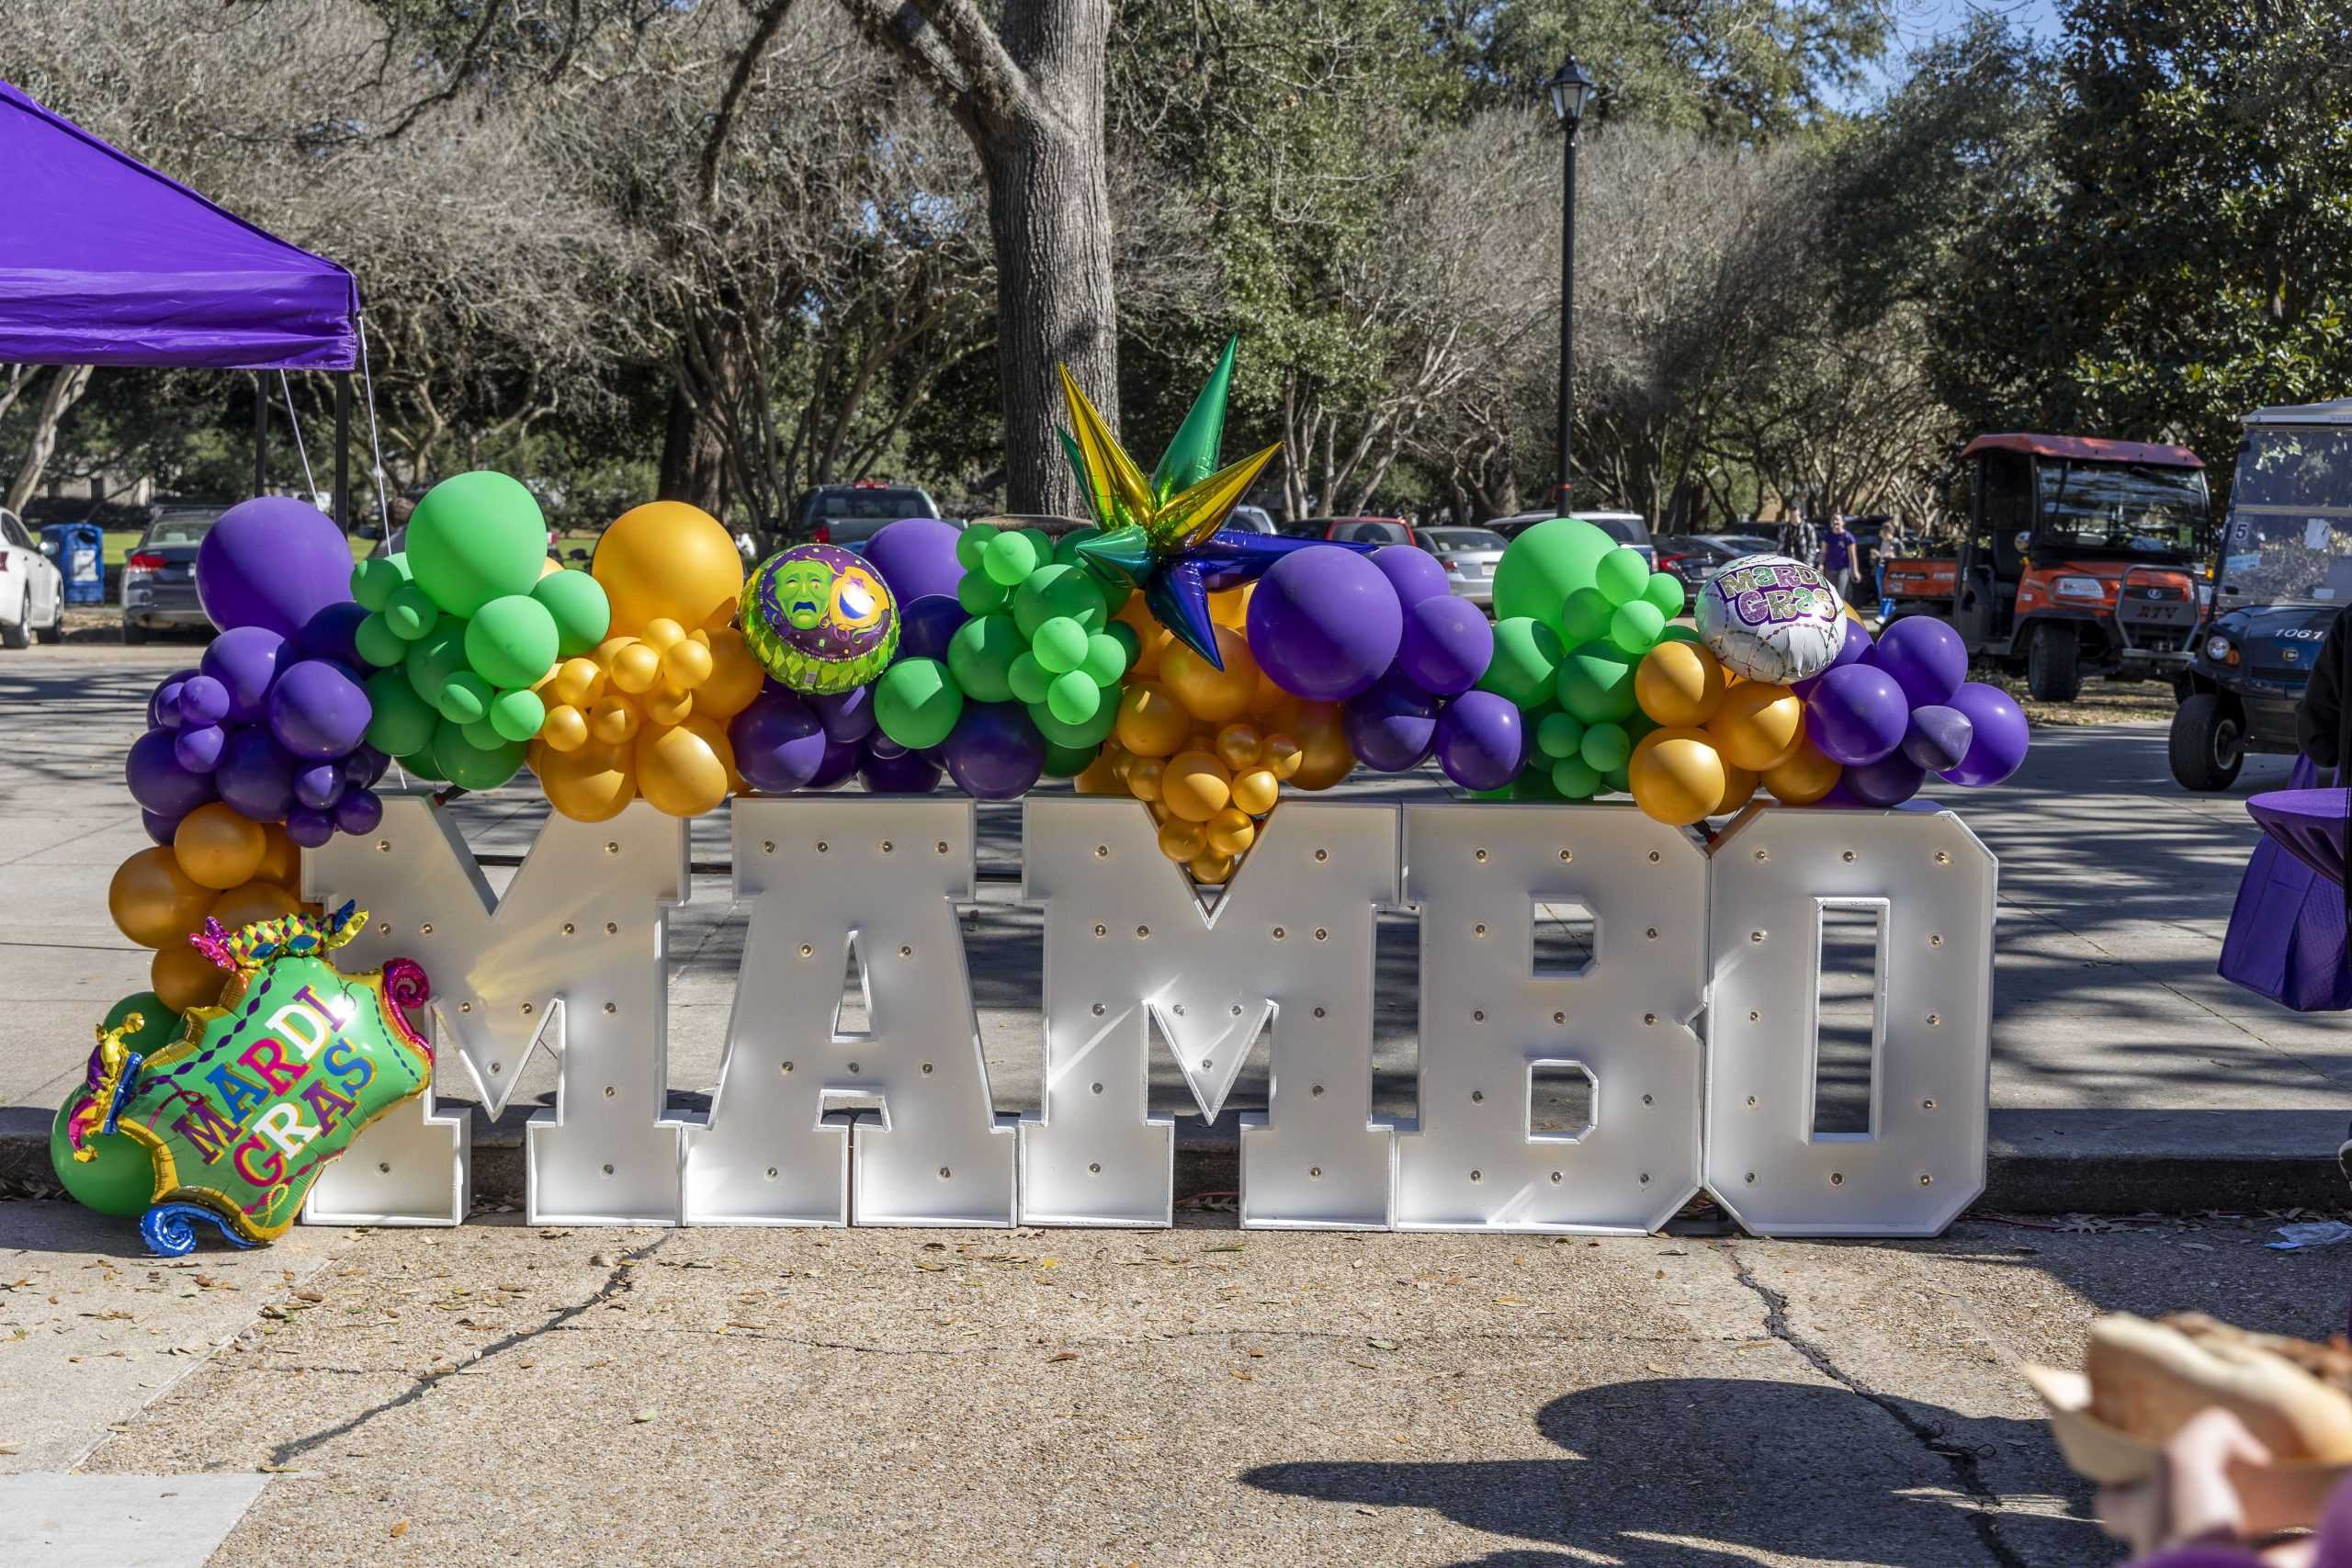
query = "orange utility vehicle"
{"x": 2081, "y": 557}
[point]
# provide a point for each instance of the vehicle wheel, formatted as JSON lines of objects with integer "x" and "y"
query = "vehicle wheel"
{"x": 2208, "y": 744}
{"x": 134, "y": 634}
{"x": 2053, "y": 670}
{"x": 55, "y": 630}
{"x": 20, "y": 634}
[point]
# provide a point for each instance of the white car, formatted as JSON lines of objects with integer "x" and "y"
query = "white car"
{"x": 32, "y": 591}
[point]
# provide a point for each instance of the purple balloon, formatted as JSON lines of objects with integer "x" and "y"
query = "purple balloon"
{"x": 256, "y": 777}
{"x": 1446, "y": 646}
{"x": 203, "y": 700}
{"x": 1414, "y": 573}
{"x": 1856, "y": 714}
{"x": 880, "y": 745}
{"x": 163, "y": 703}
{"x": 841, "y": 760}
{"x": 1939, "y": 737}
{"x": 1997, "y": 741}
{"x": 1392, "y": 727}
{"x": 1926, "y": 657}
{"x": 364, "y": 767}
{"x": 272, "y": 561}
{"x": 197, "y": 747}
{"x": 779, "y": 742}
{"x": 915, "y": 557}
{"x": 158, "y": 781}
{"x": 318, "y": 710}
{"x": 308, "y": 828}
{"x": 159, "y": 827}
{"x": 244, "y": 661}
{"x": 329, "y": 634}
{"x": 905, "y": 772}
{"x": 994, "y": 752}
{"x": 1841, "y": 798}
{"x": 846, "y": 715}
{"x": 320, "y": 785}
{"x": 1324, "y": 623}
{"x": 358, "y": 811}
{"x": 926, "y": 625}
{"x": 1892, "y": 780}
{"x": 1481, "y": 741}
{"x": 1851, "y": 649}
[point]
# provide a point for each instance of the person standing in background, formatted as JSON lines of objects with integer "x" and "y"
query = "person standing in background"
{"x": 1838, "y": 555}
{"x": 1797, "y": 541}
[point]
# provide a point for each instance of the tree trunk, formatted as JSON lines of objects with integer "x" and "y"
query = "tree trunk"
{"x": 65, "y": 389}
{"x": 694, "y": 460}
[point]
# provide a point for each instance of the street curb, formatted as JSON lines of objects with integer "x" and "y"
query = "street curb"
{"x": 2176, "y": 1170}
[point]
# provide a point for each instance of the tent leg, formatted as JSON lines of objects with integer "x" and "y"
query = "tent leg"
{"x": 261, "y": 435}
{"x": 343, "y": 452}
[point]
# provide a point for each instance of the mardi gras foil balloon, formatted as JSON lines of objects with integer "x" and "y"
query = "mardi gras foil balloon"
{"x": 241, "y": 1113}
{"x": 819, "y": 620}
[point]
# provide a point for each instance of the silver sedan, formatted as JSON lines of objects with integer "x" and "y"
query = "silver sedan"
{"x": 1468, "y": 556}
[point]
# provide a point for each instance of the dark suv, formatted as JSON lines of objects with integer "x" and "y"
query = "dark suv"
{"x": 850, "y": 514}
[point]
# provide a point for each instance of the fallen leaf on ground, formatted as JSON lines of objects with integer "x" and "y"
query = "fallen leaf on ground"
{"x": 400, "y": 1529}
{"x": 1061, "y": 1355}
{"x": 1382, "y": 1344}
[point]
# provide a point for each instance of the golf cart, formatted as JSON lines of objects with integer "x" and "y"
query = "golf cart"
{"x": 2082, "y": 556}
{"x": 2285, "y": 572}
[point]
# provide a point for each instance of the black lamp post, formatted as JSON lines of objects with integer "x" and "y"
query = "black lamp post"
{"x": 1571, "y": 90}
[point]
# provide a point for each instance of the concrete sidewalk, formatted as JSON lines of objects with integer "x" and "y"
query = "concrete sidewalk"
{"x": 2127, "y": 1075}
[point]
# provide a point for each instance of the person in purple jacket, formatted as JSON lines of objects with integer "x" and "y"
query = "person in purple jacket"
{"x": 1838, "y": 554}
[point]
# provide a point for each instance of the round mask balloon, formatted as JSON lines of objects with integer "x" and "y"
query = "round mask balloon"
{"x": 819, "y": 619}
{"x": 1771, "y": 618}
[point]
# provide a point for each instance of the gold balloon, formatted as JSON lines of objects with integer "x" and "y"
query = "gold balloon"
{"x": 1231, "y": 832}
{"x": 1152, "y": 722}
{"x": 576, "y": 682}
{"x": 1152, "y": 639}
{"x": 1285, "y": 756}
{"x": 1240, "y": 746}
{"x": 1102, "y": 776}
{"x": 678, "y": 772}
{"x": 181, "y": 978}
{"x": 714, "y": 735}
{"x": 665, "y": 704}
{"x": 1759, "y": 724}
{"x": 1212, "y": 695}
{"x": 1678, "y": 683}
{"x": 1195, "y": 786}
{"x": 734, "y": 678}
{"x": 1143, "y": 778}
{"x": 1802, "y": 777}
{"x": 1676, "y": 775}
{"x": 1739, "y": 788}
{"x": 220, "y": 847}
{"x": 250, "y": 901}
{"x": 1181, "y": 841}
{"x": 549, "y": 567}
{"x": 1325, "y": 759}
{"x": 154, "y": 902}
{"x": 634, "y": 666}
{"x": 591, "y": 785}
{"x": 1256, "y": 791}
{"x": 662, "y": 634}
{"x": 565, "y": 728}
{"x": 1231, "y": 608}
{"x": 281, "y": 862}
{"x": 614, "y": 719}
{"x": 1272, "y": 707}
{"x": 1216, "y": 870}
{"x": 667, "y": 560}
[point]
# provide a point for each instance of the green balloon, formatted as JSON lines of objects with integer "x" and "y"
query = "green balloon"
{"x": 402, "y": 721}
{"x": 1008, "y": 559}
{"x": 978, "y": 593}
{"x": 1681, "y": 634}
{"x": 435, "y": 656}
{"x": 465, "y": 699}
{"x": 513, "y": 641}
{"x": 410, "y": 613}
{"x": 980, "y": 657}
{"x": 119, "y": 1182}
{"x": 1074, "y": 698}
{"x": 484, "y": 735}
{"x": 1618, "y": 780}
{"x": 1636, "y": 627}
{"x": 1527, "y": 657}
{"x": 1575, "y": 778}
{"x": 1067, "y": 761}
{"x": 1559, "y": 734}
{"x": 1061, "y": 645}
{"x": 372, "y": 580}
{"x": 476, "y": 537}
{"x": 1620, "y": 574}
{"x": 1066, "y": 547}
{"x": 970, "y": 543}
{"x": 420, "y": 763}
{"x": 1638, "y": 725}
{"x": 1040, "y": 542}
{"x": 1606, "y": 745}
{"x": 1059, "y": 591}
{"x": 517, "y": 715}
{"x": 470, "y": 766}
{"x": 577, "y": 603}
{"x": 1584, "y": 616}
{"x": 917, "y": 701}
{"x": 1544, "y": 566}
{"x": 1125, "y": 636}
{"x": 1666, "y": 590}
{"x": 1534, "y": 783}
{"x": 1030, "y": 680}
{"x": 377, "y": 642}
{"x": 1596, "y": 683}
{"x": 1106, "y": 657}
{"x": 158, "y": 1025}
{"x": 1058, "y": 732}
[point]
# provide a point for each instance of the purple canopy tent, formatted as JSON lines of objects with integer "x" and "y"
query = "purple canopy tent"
{"x": 103, "y": 261}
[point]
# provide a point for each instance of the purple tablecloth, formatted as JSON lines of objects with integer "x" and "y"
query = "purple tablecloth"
{"x": 2308, "y": 823}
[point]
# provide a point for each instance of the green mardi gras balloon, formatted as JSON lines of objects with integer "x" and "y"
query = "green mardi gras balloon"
{"x": 243, "y": 1111}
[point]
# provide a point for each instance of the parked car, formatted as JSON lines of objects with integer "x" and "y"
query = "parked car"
{"x": 850, "y": 514}
{"x": 1251, "y": 520}
{"x": 1694, "y": 558}
{"x": 1626, "y": 528}
{"x": 1469, "y": 555}
{"x": 32, "y": 591}
{"x": 159, "y": 575}
{"x": 1368, "y": 530}
{"x": 1303, "y": 528}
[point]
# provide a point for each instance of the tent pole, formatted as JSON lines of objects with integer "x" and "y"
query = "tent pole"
{"x": 343, "y": 452}
{"x": 261, "y": 435}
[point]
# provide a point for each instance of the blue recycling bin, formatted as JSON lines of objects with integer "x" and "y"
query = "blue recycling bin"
{"x": 80, "y": 553}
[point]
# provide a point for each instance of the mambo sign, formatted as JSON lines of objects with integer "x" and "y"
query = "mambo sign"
{"x": 571, "y": 957}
